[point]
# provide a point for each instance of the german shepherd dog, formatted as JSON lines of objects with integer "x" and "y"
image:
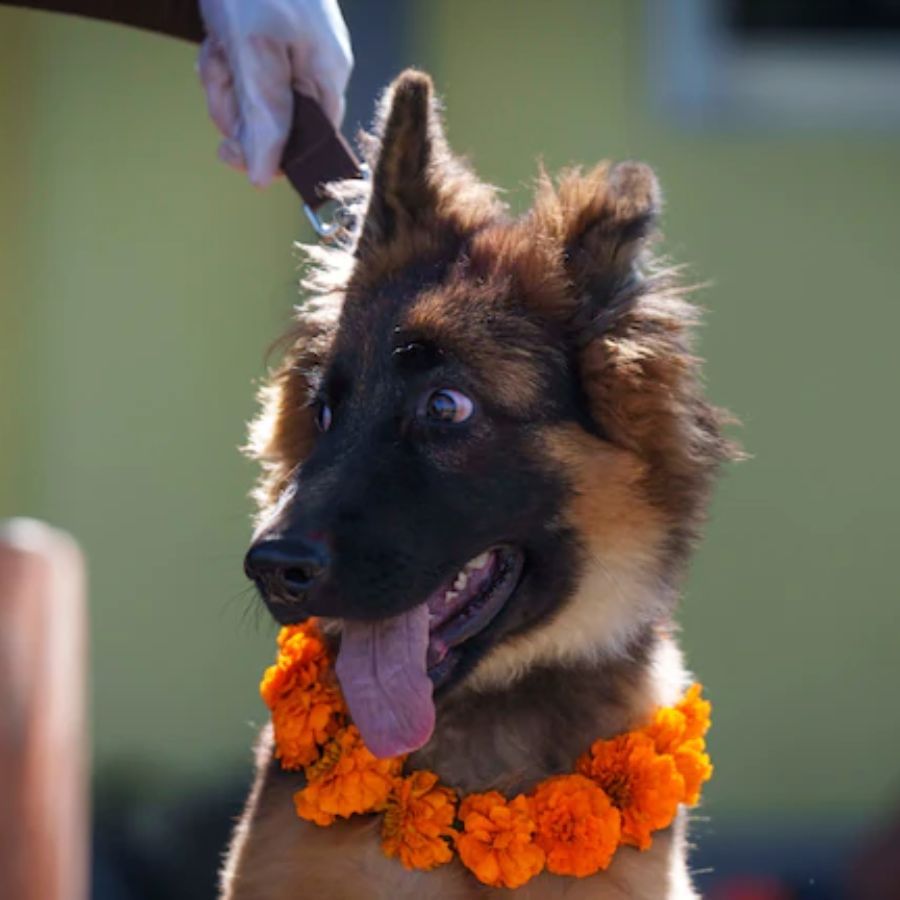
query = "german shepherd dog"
{"x": 486, "y": 457}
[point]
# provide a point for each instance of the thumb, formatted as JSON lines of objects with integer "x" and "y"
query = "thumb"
{"x": 263, "y": 87}
{"x": 263, "y": 135}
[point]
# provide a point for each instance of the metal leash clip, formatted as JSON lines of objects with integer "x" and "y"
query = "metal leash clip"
{"x": 339, "y": 219}
{"x": 316, "y": 154}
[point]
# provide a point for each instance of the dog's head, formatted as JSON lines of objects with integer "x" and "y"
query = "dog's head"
{"x": 487, "y": 447}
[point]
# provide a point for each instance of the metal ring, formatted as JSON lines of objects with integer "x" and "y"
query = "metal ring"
{"x": 341, "y": 221}
{"x": 325, "y": 230}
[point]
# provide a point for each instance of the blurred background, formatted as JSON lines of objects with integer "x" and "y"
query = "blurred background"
{"x": 141, "y": 282}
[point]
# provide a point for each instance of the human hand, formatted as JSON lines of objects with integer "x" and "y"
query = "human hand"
{"x": 256, "y": 54}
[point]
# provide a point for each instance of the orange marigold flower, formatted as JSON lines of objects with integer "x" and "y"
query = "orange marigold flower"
{"x": 667, "y": 729}
{"x": 496, "y": 843}
{"x": 346, "y": 780}
{"x": 694, "y": 766}
{"x": 306, "y": 703}
{"x": 687, "y": 721}
{"x": 302, "y": 721}
{"x": 418, "y": 818}
{"x": 696, "y": 712}
{"x": 645, "y": 786}
{"x": 679, "y": 731}
{"x": 577, "y": 827}
{"x": 302, "y": 661}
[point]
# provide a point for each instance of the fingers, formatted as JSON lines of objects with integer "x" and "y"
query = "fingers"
{"x": 259, "y": 52}
{"x": 266, "y": 106}
{"x": 251, "y": 107}
{"x": 231, "y": 154}
{"x": 215, "y": 74}
{"x": 263, "y": 148}
{"x": 221, "y": 101}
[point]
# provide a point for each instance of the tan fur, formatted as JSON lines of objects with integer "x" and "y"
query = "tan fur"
{"x": 621, "y": 588}
{"x": 575, "y": 270}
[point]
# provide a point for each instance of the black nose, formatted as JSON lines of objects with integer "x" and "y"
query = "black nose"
{"x": 287, "y": 566}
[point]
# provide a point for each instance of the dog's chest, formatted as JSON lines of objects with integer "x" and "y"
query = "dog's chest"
{"x": 366, "y": 874}
{"x": 285, "y": 858}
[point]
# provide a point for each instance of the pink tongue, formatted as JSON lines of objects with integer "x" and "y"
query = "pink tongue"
{"x": 381, "y": 667}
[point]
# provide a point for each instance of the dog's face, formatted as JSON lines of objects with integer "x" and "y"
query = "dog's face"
{"x": 490, "y": 432}
{"x": 428, "y": 481}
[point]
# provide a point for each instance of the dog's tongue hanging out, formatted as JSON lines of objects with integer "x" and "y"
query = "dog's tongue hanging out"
{"x": 381, "y": 667}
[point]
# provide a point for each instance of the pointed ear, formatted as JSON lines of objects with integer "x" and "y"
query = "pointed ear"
{"x": 605, "y": 219}
{"x": 404, "y": 193}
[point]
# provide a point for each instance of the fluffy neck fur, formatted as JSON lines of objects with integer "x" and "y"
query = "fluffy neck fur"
{"x": 509, "y": 738}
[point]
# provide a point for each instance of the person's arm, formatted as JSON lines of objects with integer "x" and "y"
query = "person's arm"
{"x": 177, "y": 18}
{"x": 255, "y": 55}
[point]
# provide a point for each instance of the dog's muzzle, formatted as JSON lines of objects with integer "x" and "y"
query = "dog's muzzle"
{"x": 286, "y": 569}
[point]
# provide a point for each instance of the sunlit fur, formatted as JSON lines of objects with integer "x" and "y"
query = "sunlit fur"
{"x": 637, "y": 475}
{"x": 621, "y": 587}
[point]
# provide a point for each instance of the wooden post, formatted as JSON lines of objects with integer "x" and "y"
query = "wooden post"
{"x": 44, "y": 825}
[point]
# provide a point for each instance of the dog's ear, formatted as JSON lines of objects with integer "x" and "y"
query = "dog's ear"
{"x": 404, "y": 193}
{"x": 420, "y": 191}
{"x": 603, "y": 221}
{"x": 632, "y": 330}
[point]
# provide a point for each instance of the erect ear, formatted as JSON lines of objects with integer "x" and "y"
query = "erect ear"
{"x": 604, "y": 221}
{"x": 404, "y": 188}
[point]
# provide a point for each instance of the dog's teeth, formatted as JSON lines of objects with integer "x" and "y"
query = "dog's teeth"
{"x": 460, "y": 582}
{"x": 479, "y": 561}
{"x": 451, "y": 595}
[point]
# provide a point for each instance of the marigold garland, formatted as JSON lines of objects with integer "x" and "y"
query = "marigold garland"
{"x": 346, "y": 780}
{"x": 645, "y": 786}
{"x": 680, "y": 731}
{"x": 578, "y": 828}
{"x": 303, "y": 694}
{"x": 497, "y": 841}
{"x": 418, "y": 822}
{"x": 622, "y": 791}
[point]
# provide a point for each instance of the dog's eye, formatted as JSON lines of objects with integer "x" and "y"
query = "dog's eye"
{"x": 323, "y": 417}
{"x": 446, "y": 405}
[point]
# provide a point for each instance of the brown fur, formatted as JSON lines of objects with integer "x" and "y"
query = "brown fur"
{"x": 575, "y": 271}
{"x": 423, "y": 198}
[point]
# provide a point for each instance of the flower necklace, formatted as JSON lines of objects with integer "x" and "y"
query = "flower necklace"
{"x": 622, "y": 790}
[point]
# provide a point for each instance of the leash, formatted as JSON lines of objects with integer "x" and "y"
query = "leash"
{"x": 316, "y": 153}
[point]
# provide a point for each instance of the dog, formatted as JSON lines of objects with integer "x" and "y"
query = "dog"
{"x": 494, "y": 425}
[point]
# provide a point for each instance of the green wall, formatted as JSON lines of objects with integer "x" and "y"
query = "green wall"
{"x": 141, "y": 283}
